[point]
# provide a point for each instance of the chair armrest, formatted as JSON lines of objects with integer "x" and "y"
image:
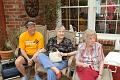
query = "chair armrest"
{"x": 70, "y": 60}
{"x": 39, "y": 68}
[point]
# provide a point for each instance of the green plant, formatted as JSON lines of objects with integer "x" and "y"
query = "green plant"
{"x": 51, "y": 9}
{"x": 12, "y": 37}
{"x": 7, "y": 46}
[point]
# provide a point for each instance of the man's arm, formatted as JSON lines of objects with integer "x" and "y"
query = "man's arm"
{"x": 24, "y": 54}
{"x": 30, "y": 61}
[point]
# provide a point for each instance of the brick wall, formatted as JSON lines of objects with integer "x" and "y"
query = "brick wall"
{"x": 16, "y": 15}
{"x": 108, "y": 45}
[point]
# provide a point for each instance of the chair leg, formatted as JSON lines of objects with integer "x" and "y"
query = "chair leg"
{"x": 29, "y": 71}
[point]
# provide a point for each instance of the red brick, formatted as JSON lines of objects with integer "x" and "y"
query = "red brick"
{"x": 10, "y": 13}
{"x": 11, "y": 25}
{"x": 10, "y": 19}
{"x": 13, "y": 22}
{"x": 12, "y": 10}
{"x": 6, "y": 9}
{"x": 9, "y": 6}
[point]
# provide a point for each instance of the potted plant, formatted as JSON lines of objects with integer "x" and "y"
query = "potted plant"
{"x": 6, "y": 52}
{"x": 11, "y": 43}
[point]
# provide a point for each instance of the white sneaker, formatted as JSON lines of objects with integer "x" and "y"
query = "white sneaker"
{"x": 36, "y": 77}
{"x": 24, "y": 78}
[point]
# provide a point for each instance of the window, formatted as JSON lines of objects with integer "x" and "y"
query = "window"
{"x": 108, "y": 19}
{"x": 74, "y": 12}
{"x": 107, "y": 12}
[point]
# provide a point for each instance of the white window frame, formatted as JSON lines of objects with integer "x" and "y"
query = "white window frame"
{"x": 91, "y": 16}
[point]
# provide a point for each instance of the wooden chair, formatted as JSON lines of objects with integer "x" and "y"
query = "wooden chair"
{"x": 68, "y": 34}
{"x": 65, "y": 71}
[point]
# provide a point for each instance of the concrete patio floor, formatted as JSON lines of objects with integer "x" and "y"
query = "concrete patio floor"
{"x": 16, "y": 78}
{"x": 32, "y": 78}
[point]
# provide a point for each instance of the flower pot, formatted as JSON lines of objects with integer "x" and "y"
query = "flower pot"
{"x": 6, "y": 54}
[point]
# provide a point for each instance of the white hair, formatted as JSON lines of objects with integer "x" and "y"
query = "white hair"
{"x": 59, "y": 27}
{"x": 88, "y": 33}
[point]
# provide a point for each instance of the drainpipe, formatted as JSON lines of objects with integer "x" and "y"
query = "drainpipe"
{"x": 3, "y": 24}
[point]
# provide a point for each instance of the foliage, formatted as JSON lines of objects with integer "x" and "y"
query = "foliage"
{"x": 7, "y": 46}
{"x": 12, "y": 37}
{"x": 51, "y": 14}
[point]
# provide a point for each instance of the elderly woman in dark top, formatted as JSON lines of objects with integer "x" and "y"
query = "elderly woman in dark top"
{"x": 61, "y": 46}
{"x": 90, "y": 57}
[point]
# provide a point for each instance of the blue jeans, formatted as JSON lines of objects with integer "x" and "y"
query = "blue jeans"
{"x": 36, "y": 77}
{"x": 47, "y": 64}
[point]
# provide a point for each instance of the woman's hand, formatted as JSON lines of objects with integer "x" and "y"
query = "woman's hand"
{"x": 99, "y": 77}
{"x": 85, "y": 65}
{"x": 61, "y": 54}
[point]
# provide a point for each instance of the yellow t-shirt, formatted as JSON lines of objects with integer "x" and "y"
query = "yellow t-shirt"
{"x": 31, "y": 43}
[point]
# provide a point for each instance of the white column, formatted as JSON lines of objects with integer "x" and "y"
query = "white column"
{"x": 91, "y": 14}
{"x": 98, "y": 8}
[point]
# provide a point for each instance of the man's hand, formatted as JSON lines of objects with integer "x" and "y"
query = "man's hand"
{"x": 39, "y": 51}
{"x": 30, "y": 62}
{"x": 43, "y": 50}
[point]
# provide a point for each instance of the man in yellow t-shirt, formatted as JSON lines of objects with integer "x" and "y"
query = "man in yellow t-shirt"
{"x": 31, "y": 43}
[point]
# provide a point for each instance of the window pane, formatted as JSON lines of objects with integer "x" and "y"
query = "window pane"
{"x": 100, "y": 26}
{"x": 106, "y": 1}
{"x": 66, "y": 23}
{"x": 65, "y": 13}
{"x": 112, "y": 2}
{"x": 118, "y": 16}
{"x": 103, "y": 1}
{"x": 118, "y": 27}
{"x": 73, "y": 2}
{"x": 83, "y": 12}
{"x": 83, "y": 2}
{"x": 74, "y": 23}
{"x": 119, "y": 9}
{"x": 65, "y": 2}
{"x": 111, "y": 10}
{"x": 100, "y": 13}
{"x": 111, "y": 27}
{"x": 74, "y": 13}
